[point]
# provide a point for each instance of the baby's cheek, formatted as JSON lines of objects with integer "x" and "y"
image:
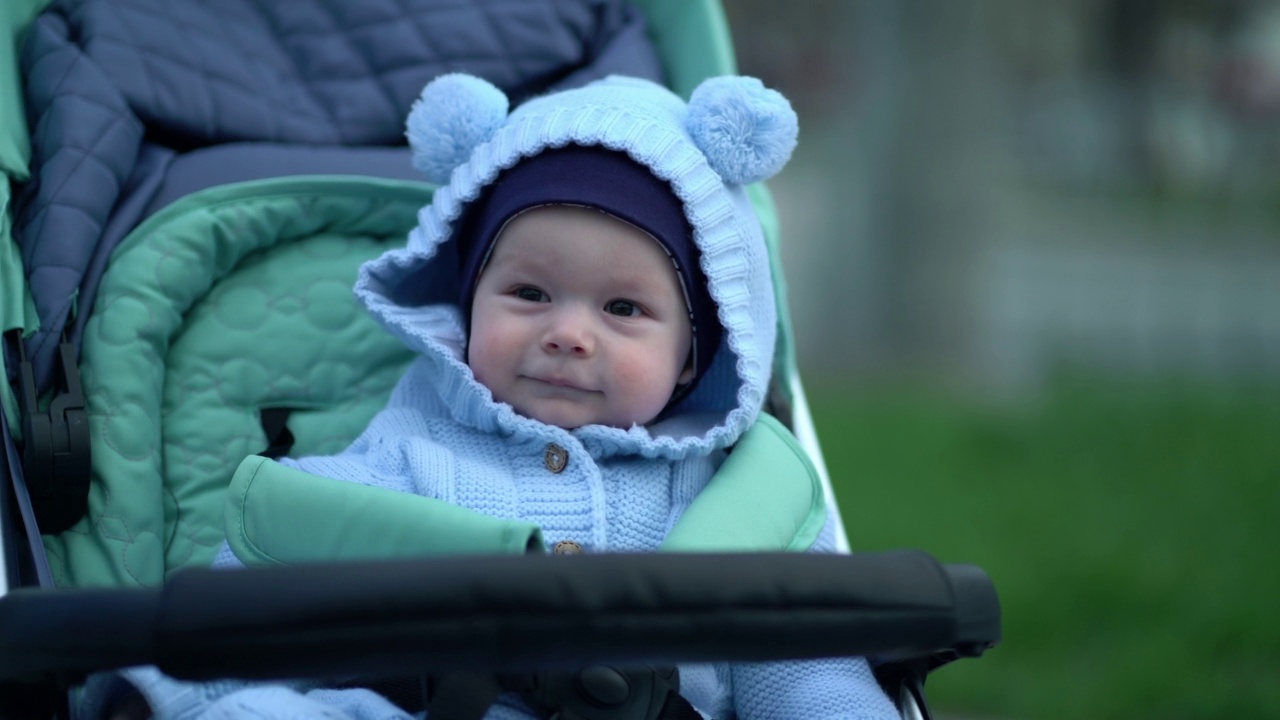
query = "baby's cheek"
{"x": 647, "y": 384}
{"x": 632, "y": 373}
{"x": 482, "y": 358}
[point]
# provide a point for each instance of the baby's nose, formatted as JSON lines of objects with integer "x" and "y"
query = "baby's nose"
{"x": 569, "y": 332}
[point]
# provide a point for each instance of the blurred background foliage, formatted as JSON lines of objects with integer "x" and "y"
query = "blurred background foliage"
{"x": 1034, "y": 261}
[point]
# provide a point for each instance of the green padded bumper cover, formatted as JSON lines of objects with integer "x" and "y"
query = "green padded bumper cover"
{"x": 766, "y": 497}
{"x": 277, "y": 515}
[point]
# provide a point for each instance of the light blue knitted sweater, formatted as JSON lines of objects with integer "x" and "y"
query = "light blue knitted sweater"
{"x": 442, "y": 435}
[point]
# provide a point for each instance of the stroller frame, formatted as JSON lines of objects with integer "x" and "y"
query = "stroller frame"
{"x": 501, "y": 614}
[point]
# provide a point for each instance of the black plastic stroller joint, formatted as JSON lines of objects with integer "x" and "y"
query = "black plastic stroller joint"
{"x": 597, "y": 692}
{"x": 55, "y": 453}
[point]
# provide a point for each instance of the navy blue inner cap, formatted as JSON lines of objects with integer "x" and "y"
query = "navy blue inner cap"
{"x": 607, "y": 180}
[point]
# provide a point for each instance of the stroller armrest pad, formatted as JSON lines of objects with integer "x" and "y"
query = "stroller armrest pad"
{"x": 271, "y": 510}
{"x": 503, "y": 614}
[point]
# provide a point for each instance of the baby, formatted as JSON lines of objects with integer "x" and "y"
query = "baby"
{"x": 579, "y": 314}
{"x": 589, "y": 293}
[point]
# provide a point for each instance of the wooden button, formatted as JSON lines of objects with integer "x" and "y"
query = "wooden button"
{"x": 557, "y": 458}
{"x": 567, "y": 547}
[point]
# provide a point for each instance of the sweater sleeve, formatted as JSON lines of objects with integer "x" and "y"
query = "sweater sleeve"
{"x": 821, "y": 689}
{"x": 277, "y": 702}
{"x": 171, "y": 699}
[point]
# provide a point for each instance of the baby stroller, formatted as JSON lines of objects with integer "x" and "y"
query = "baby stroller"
{"x": 198, "y": 192}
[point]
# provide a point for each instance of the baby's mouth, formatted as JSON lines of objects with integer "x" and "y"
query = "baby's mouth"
{"x": 558, "y": 381}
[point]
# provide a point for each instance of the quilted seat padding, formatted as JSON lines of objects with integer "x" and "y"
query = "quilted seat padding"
{"x": 233, "y": 299}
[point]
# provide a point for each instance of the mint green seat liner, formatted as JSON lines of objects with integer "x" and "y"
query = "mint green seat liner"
{"x": 232, "y": 299}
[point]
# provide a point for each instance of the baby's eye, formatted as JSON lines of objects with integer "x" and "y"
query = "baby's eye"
{"x": 624, "y": 308}
{"x": 532, "y": 294}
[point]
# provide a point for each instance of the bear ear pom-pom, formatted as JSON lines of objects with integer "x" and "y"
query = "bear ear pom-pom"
{"x": 454, "y": 114}
{"x": 746, "y": 130}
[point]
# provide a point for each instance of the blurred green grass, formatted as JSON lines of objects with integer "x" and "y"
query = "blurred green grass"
{"x": 1129, "y": 528}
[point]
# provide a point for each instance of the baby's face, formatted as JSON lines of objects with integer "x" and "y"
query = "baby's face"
{"x": 579, "y": 319}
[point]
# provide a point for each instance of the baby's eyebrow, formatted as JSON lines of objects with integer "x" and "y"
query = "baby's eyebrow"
{"x": 631, "y": 284}
{"x": 516, "y": 265}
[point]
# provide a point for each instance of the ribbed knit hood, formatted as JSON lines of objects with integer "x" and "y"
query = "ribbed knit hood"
{"x": 733, "y": 131}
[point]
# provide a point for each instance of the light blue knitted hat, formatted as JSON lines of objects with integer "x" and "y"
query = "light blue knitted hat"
{"x": 733, "y": 131}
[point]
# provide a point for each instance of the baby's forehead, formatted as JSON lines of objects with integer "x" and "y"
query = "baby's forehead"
{"x": 586, "y": 234}
{"x": 623, "y": 260}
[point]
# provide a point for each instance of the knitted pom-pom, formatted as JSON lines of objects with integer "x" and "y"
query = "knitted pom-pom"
{"x": 746, "y": 130}
{"x": 454, "y": 114}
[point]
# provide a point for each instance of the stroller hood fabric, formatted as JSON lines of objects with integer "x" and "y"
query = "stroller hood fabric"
{"x": 732, "y": 131}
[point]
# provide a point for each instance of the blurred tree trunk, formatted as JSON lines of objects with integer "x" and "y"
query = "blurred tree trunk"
{"x": 889, "y": 196}
{"x": 935, "y": 184}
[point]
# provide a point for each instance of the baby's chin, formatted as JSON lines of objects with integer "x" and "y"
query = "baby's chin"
{"x": 572, "y": 418}
{"x": 566, "y": 418}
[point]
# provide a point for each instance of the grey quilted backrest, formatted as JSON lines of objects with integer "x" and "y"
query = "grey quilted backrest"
{"x": 337, "y": 72}
{"x": 115, "y": 87}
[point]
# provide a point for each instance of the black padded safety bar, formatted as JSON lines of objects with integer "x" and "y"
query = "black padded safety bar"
{"x": 499, "y": 614}
{"x": 978, "y": 610}
{"x": 68, "y": 633}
